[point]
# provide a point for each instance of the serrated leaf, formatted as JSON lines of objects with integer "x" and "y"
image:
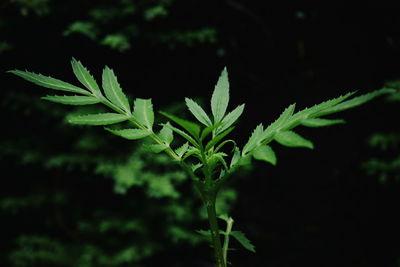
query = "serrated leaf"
{"x": 184, "y": 135}
{"x": 143, "y": 112}
{"x": 235, "y": 157}
{"x": 155, "y": 148}
{"x": 254, "y": 139}
{"x": 317, "y": 122}
{"x": 284, "y": 117}
{"x": 166, "y": 134}
{"x": 220, "y": 97}
{"x": 196, "y": 166}
{"x": 356, "y": 101}
{"x": 312, "y": 111}
{"x": 292, "y": 139}
{"x": 217, "y": 157}
{"x": 182, "y": 149}
{"x": 243, "y": 240}
{"x": 113, "y": 90}
{"x": 218, "y": 138}
{"x": 230, "y": 118}
{"x": 265, "y": 153}
{"x": 72, "y": 100}
{"x": 84, "y": 76}
{"x": 198, "y": 112}
{"x": 49, "y": 82}
{"x": 192, "y": 151}
{"x": 130, "y": 134}
{"x": 280, "y": 122}
{"x": 191, "y": 127}
{"x": 97, "y": 119}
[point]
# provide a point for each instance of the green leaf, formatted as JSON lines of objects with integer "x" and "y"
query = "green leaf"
{"x": 215, "y": 158}
{"x": 206, "y": 131}
{"x": 220, "y": 97}
{"x": 72, "y": 100}
{"x": 254, "y": 139}
{"x": 230, "y": 118}
{"x": 155, "y": 148}
{"x": 49, "y": 82}
{"x": 312, "y": 111}
{"x": 245, "y": 160}
{"x": 265, "y": 153}
{"x": 113, "y": 90}
{"x": 356, "y": 101}
{"x": 218, "y": 138}
{"x": 166, "y": 134}
{"x": 182, "y": 149}
{"x": 279, "y": 123}
{"x": 317, "y": 122}
{"x": 183, "y": 134}
{"x": 191, "y": 127}
{"x": 235, "y": 157}
{"x": 192, "y": 151}
{"x": 130, "y": 134}
{"x": 284, "y": 117}
{"x": 98, "y": 119}
{"x": 243, "y": 240}
{"x": 198, "y": 112}
{"x": 84, "y": 76}
{"x": 224, "y": 143}
{"x": 292, "y": 139}
{"x": 143, "y": 112}
{"x": 196, "y": 166}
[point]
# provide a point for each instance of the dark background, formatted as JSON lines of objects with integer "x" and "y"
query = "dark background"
{"x": 315, "y": 208}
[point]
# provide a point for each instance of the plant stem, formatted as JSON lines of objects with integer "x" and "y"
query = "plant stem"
{"x": 229, "y": 224}
{"x": 209, "y": 201}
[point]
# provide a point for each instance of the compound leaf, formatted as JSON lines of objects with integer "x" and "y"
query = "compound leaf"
{"x": 97, "y": 119}
{"x": 130, "y": 134}
{"x": 72, "y": 100}
{"x": 198, "y": 112}
{"x": 113, "y": 90}
{"x": 84, "y": 76}
{"x": 220, "y": 97}
{"x": 143, "y": 112}
{"x": 49, "y": 82}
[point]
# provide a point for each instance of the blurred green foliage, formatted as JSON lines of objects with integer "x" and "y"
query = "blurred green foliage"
{"x": 386, "y": 164}
{"x": 120, "y": 25}
{"x": 152, "y": 203}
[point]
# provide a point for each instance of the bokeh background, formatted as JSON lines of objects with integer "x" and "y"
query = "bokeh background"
{"x": 76, "y": 196}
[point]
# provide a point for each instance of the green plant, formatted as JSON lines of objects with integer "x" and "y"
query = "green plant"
{"x": 201, "y": 156}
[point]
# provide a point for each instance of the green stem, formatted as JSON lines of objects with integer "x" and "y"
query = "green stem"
{"x": 229, "y": 224}
{"x": 209, "y": 201}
